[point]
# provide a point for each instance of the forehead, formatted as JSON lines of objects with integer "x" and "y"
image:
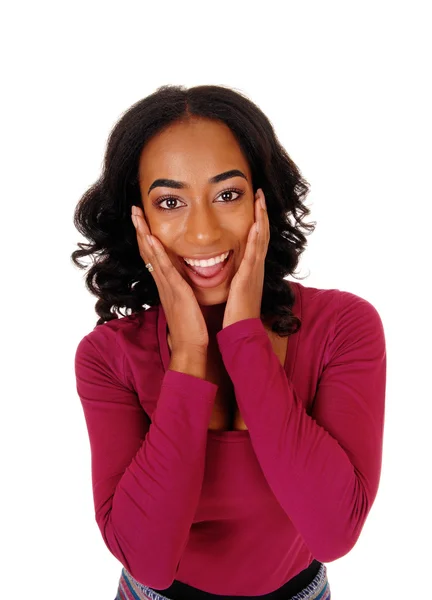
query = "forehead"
{"x": 194, "y": 150}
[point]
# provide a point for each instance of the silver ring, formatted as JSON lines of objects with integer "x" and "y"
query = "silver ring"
{"x": 149, "y": 267}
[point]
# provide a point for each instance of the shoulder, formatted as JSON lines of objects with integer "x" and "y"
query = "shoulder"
{"x": 357, "y": 331}
{"x": 333, "y": 301}
{"x": 109, "y": 340}
{"x": 342, "y": 317}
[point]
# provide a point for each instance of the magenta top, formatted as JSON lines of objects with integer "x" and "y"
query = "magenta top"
{"x": 236, "y": 512}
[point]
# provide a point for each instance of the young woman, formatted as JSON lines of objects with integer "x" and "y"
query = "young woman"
{"x": 236, "y": 422}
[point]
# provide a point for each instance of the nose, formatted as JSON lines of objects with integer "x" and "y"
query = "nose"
{"x": 202, "y": 228}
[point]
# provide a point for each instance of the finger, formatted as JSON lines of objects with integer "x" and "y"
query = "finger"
{"x": 164, "y": 264}
{"x": 141, "y": 221}
{"x": 161, "y": 263}
{"x": 250, "y": 254}
{"x": 142, "y": 231}
{"x": 153, "y": 246}
{"x": 264, "y": 226}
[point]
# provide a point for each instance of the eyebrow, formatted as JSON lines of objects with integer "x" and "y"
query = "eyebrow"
{"x": 179, "y": 185}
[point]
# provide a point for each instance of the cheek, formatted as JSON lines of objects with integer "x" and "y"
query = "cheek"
{"x": 240, "y": 226}
{"x": 243, "y": 234}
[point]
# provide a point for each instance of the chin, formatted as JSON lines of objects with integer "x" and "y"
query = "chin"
{"x": 211, "y": 297}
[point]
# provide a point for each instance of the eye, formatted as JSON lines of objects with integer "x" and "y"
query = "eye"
{"x": 228, "y": 192}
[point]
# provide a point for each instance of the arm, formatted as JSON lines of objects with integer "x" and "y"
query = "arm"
{"x": 189, "y": 362}
{"x": 323, "y": 468}
{"x": 146, "y": 478}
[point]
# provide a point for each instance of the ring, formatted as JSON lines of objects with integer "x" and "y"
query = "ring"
{"x": 149, "y": 267}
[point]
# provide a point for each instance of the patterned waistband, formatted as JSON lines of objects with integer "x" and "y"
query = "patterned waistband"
{"x": 130, "y": 589}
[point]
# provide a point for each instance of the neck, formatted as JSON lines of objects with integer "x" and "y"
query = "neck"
{"x": 213, "y": 316}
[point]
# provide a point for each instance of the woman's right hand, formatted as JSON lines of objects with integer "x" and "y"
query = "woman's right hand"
{"x": 186, "y": 324}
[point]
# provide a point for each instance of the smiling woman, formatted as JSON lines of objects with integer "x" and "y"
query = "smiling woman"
{"x": 211, "y": 212}
{"x": 226, "y": 459}
{"x": 192, "y": 160}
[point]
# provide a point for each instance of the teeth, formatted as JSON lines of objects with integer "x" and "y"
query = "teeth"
{"x": 206, "y": 263}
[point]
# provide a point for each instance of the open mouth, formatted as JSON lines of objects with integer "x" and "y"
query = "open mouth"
{"x": 212, "y": 275}
{"x": 211, "y": 270}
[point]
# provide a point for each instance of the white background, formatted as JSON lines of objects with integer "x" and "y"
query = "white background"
{"x": 347, "y": 88}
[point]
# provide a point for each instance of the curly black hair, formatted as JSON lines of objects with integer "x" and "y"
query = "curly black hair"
{"x": 118, "y": 277}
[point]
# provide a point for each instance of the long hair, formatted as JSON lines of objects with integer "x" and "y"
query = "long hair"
{"x": 118, "y": 277}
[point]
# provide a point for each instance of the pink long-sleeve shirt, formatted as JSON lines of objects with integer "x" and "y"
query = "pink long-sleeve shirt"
{"x": 236, "y": 512}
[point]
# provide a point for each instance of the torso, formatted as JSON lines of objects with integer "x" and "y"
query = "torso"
{"x": 226, "y": 415}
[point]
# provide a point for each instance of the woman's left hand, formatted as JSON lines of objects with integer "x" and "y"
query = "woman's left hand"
{"x": 245, "y": 295}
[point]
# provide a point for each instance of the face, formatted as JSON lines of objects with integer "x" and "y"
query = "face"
{"x": 202, "y": 217}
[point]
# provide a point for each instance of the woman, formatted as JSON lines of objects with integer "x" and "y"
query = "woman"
{"x": 236, "y": 424}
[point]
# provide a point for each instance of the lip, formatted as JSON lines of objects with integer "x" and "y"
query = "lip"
{"x": 206, "y": 257}
{"x": 210, "y": 282}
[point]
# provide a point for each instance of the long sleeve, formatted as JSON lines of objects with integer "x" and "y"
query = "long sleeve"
{"x": 146, "y": 478}
{"x": 324, "y": 467}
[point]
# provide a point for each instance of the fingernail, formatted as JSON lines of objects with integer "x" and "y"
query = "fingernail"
{"x": 149, "y": 239}
{"x": 263, "y": 204}
{"x": 134, "y": 221}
